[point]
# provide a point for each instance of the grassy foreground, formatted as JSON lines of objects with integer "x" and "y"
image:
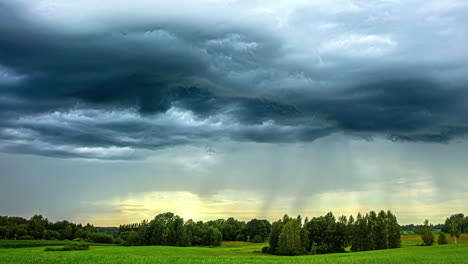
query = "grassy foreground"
{"x": 41, "y": 243}
{"x": 232, "y": 252}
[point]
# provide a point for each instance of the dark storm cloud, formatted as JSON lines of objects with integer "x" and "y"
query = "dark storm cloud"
{"x": 109, "y": 91}
{"x": 409, "y": 110}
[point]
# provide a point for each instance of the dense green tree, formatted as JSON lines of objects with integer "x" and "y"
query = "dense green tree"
{"x": 371, "y": 234}
{"x": 454, "y": 226}
{"x": 212, "y": 236}
{"x": 276, "y": 229}
{"x": 162, "y": 230}
{"x": 305, "y": 242}
{"x": 144, "y": 233}
{"x": 37, "y": 225}
{"x": 181, "y": 237}
{"x": 67, "y": 232}
{"x": 289, "y": 242}
{"x": 257, "y": 227}
{"x": 50, "y": 235}
{"x": 394, "y": 232}
{"x": 216, "y": 223}
{"x": 381, "y": 231}
{"x": 426, "y": 234}
{"x": 359, "y": 234}
{"x": 442, "y": 239}
{"x": 134, "y": 239}
{"x": 327, "y": 234}
{"x": 233, "y": 230}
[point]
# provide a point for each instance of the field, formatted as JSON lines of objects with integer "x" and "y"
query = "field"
{"x": 235, "y": 252}
{"x": 40, "y": 243}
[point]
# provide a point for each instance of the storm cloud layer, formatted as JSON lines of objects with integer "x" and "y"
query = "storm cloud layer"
{"x": 116, "y": 81}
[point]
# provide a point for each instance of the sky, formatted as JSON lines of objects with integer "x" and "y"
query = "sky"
{"x": 114, "y": 112}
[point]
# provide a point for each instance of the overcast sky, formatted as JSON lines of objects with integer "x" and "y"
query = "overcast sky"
{"x": 114, "y": 112}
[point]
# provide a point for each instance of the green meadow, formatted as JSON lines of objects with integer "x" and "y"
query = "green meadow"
{"x": 231, "y": 252}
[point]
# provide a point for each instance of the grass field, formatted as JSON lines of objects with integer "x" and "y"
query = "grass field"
{"x": 236, "y": 252}
{"x": 415, "y": 240}
{"x": 40, "y": 243}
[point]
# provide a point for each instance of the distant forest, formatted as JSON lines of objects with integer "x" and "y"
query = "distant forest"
{"x": 286, "y": 236}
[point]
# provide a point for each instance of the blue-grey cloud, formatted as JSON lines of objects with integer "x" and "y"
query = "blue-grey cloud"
{"x": 112, "y": 90}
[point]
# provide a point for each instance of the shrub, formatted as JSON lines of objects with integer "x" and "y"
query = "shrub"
{"x": 26, "y": 238}
{"x": 313, "y": 249}
{"x": 76, "y": 247}
{"x": 266, "y": 250}
{"x": 119, "y": 241}
{"x": 124, "y": 235}
{"x": 50, "y": 235}
{"x": 258, "y": 239}
{"x": 72, "y": 247}
{"x": 442, "y": 239}
{"x": 102, "y": 238}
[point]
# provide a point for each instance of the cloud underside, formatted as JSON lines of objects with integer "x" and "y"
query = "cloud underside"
{"x": 114, "y": 91}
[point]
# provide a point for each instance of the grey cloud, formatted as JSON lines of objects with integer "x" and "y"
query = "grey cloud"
{"x": 352, "y": 73}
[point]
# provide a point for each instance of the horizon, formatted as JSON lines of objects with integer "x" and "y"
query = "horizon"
{"x": 245, "y": 219}
{"x": 111, "y": 113}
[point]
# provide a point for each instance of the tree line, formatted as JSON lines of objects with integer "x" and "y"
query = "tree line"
{"x": 286, "y": 236}
{"x": 327, "y": 234}
{"x": 38, "y": 227}
{"x": 170, "y": 230}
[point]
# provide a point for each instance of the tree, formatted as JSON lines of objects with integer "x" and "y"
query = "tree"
{"x": 426, "y": 234}
{"x": 290, "y": 239}
{"x": 454, "y": 225}
{"x": 305, "y": 242}
{"x": 133, "y": 239}
{"x": 212, "y": 236}
{"x": 371, "y": 233}
{"x": 162, "y": 230}
{"x": 258, "y": 227}
{"x": 359, "y": 234}
{"x": 235, "y": 231}
{"x": 67, "y": 232}
{"x": 276, "y": 229}
{"x": 51, "y": 235}
{"x": 442, "y": 239}
{"x": 381, "y": 231}
{"x": 394, "y": 232}
{"x": 37, "y": 226}
{"x": 180, "y": 233}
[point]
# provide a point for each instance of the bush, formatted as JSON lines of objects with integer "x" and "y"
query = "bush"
{"x": 124, "y": 235}
{"x": 72, "y": 247}
{"x": 119, "y": 241}
{"x": 258, "y": 239}
{"x": 313, "y": 249}
{"x": 442, "y": 239}
{"x": 51, "y": 235}
{"x": 266, "y": 250}
{"x": 102, "y": 238}
{"x": 26, "y": 238}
